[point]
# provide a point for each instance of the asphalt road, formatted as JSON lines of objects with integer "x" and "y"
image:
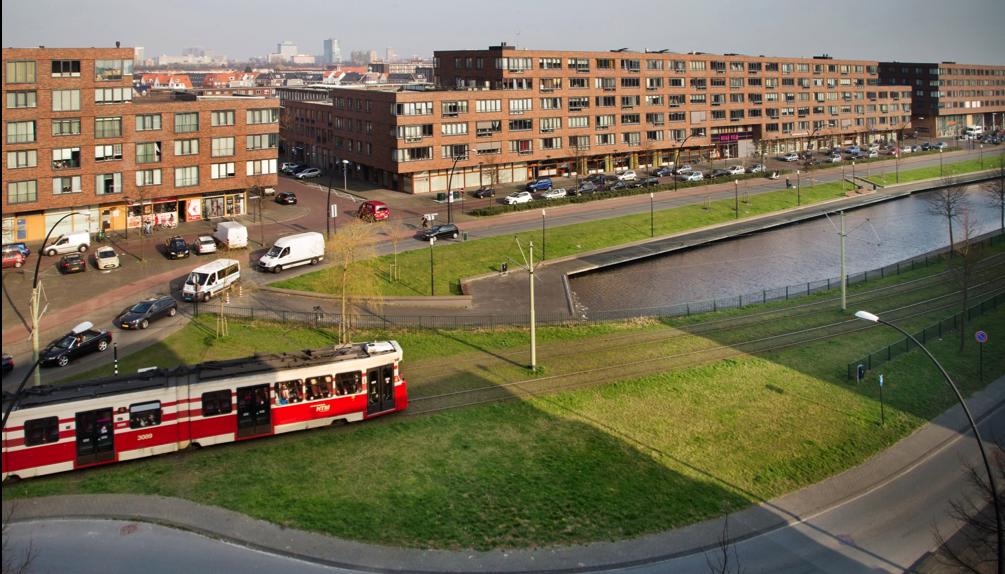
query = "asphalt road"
{"x": 886, "y": 528}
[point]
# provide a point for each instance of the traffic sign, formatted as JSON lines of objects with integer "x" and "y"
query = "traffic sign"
{"x": 981, "y": 337}
{"x": 334, "y": 210}
{"x": 881, "y": 380}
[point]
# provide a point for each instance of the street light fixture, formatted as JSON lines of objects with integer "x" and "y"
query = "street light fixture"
{"x": 867, "y": 316}
{"x": 345, "y": 175}
{"x": 736, "y": 197}
{"x": 940, "y": 162}
{"x": 652, "y": 213}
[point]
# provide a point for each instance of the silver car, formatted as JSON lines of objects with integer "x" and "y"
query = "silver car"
{"x": 105, "y": 257}
{"x": 205, "y": 244}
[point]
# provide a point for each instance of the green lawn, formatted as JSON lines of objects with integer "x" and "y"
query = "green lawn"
{"x": 639, "y": 454}
{"x": 991, "y": 161}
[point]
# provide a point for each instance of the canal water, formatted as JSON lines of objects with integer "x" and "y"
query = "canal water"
{"x": 876, "y": 236}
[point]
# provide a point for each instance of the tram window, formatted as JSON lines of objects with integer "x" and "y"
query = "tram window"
{"x": 41, "y": 431}
{"x": 289, "y": 392}
{"x": 318, "y": 387}
{"x": 216, "y": 403}
{"x": 144, "y": 414}
{"x": 347, "y": 383}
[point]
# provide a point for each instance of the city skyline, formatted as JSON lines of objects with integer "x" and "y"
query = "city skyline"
{"x": 902, "y": 30}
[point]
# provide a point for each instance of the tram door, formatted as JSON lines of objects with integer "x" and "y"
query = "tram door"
{"x": 95, "y": 436}
{"x": 254, "y": 413}
{"x": 380, "y": 389}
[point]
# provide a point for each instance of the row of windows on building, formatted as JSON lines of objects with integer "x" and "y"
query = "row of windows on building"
{"x": 26, "y": 71}
{"x": 69, "y": 101}
{"x": 112, "y": 183}
{"x": 19, "y": 132}
{"x": 659, "y": 64}
{"x": 659, "y": 82}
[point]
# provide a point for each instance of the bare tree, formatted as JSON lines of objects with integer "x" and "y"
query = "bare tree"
{"x": 963, "y": 267}
{"x": 394, "y": 229}
{"x": 15, "y": 562}
{"x": 949, "y": 201}
{"x": 352, "y": 251}
{"x": 724, "y": 559}
{"x": 996, "y": 190}
{"x": 975, "y": 547}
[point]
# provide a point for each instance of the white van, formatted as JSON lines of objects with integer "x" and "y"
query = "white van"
{"x": 231, "y": 234}
{"x": 76, "y": 241}
{"x": 973, "y": 131}
{"x": 210, "y": 279}
{"x": 294, "y": 250}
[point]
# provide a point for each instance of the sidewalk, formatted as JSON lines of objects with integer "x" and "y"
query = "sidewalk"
{"x": 793, "y": 508}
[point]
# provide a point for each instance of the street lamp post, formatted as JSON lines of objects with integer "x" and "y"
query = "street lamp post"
{"x": 677, "y": 159}
{"x": 450, "y": 194}
{"x": 799, "y": 200}
{"x": 432, "y": 289}
{"x": 544, "y": 245}
{"x": 940, "y": 162}
{"x": 982, "y": 156}
{"x": 867, "y": 316}
{"x": 345, "y": 175}
{"x": 853, "y": 174}
{"x": 736, "y": 197}
{"x": 328, "y": 205}
{"x": 36, "y": 294}
{"x": 652, "y": 214}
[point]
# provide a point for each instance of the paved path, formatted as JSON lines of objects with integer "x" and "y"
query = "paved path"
{"x": 874, "y": 517}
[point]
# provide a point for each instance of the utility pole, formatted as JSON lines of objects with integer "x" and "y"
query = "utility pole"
{"x": 36, "y": 316}
{"x": 544, "y": 235}
{"x": 844, "y": 278}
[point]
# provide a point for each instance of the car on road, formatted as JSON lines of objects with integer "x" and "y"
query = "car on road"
{"x": 105, "y": 257}
{"x": 737, "y": 170}
{"x": 204, "y": 244}
{"x": 484, "y": 193}
{"x": 290, "y": 168}
{"x": 692, "y": 176}
{"x": 585, "y": 188}
{"x": 940, "y": 145}
{"x": 664, "y": 171}
{"x": 444, "y": 231}
{"x": 789, "y": 157}
{"x": 926, "y": 146}
{"x": 684, "y": 169}
{"x": 836, "y": 158}
{"x": 622, "y": 185}
{"x": 12, "y": 259}
{"x": 82, "y": 340}
{"x": 20, "y": 247}
{"x": 541, "y": 184}
{"x": 8, "y": 364}
{"x": 756, "y": 168}
{"x": 286, "y": 198}
{"x": 140, "y": 315}
{"x": 628, "y": 175}
{"x": 373, "y": 210}
{"x": 717, "y": 173}
{"x": 649, "y": 182}
{"x": 873, "y": 153}
{"x": 308, "y": 173}
{"x": 554, "y": 193}
{"x": 176, "y": 248}
{"x": 72, "y": 263}
{"x": 518, "y": 197}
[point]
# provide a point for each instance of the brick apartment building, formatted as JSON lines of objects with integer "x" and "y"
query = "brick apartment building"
{"x": 511, "y": 115}
{"x": 948, "y": 97}
{"x": 79, "y": 138}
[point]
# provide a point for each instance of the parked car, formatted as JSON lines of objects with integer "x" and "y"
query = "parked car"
{"x": 141, "y": 314}
{"x": 628, "y": 175}
{"x": 585, "y": 188}
{"x": 83, "y": 339}
{"x": 19, "y": 246}
{"x": 75, "y": 241}
{"x": 445, "y": 231}
{"x": 853, "y": 150}
{"x": 286, "y": 198}
{"x": 873, "y": 153}
{"x": 684, "y": 169}
{"x": 926, "y": 146}
{"x": 756, "y": 168}
{"x": 176, "y": 248}
{"x": 540, "y": 184}
{"x": 290, "y": 168}
{"x": 940, "y": 145}
{"x": 72, "y": 263}
{"x": 12, "y": 258}
{"x": 737, "y": 170}
{"x": 520, "y": 197}
{"x": 308, "y": 173}
{"x": 8, "y": 364}
{"x": 554, "y": 193}
{"x": 717, "y": 173}
{"x": 204, "y": 244}
{"x": 649, "y": 182}
{"x": 836, "y": 158}
{"x": 373, "y": 210}
{"x": 664, "y": 171}
{"x": 906, "y": 149}
{"x": 105, "y": 257}
{"x": 622, "y": 185}
{"x": 693, "y": 176}
{"x": 789, "y": 157}
{"x": 484, "y": 193}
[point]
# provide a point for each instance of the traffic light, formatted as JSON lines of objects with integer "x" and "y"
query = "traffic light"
{"x": 859, "y": 373}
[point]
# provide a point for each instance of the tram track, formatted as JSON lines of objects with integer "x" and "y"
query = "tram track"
{"x": 444, "y": 369}
{"x": 635, "y": 367}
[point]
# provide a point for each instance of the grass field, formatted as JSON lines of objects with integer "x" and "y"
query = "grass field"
{"x": 991, "y": 161}
{"x": 638, "y": 454}
{"x": 456, "y": 261}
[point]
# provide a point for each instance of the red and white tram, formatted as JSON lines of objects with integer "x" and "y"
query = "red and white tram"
{"x": 76, "y": 425}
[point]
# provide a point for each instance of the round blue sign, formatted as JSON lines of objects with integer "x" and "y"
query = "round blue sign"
{"x": 981, "y": 337}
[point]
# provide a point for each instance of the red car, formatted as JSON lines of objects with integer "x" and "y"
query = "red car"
{"x": 12, "y": 259}
{"x": 373, "y": 210}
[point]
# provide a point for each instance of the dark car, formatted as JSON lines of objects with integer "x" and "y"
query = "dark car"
{"x": 621, "y": 185}
{"x": 176, "y": 248}
{"x": 445, "y": 231}
{"x": 542, "y": 184}
{"x": 72, "y": 263}
{"x": 8, "y": 363}
{"x": 292, "y": 168}
{"x": 82, "y": 340}
{"x": 139, "y": 315}
{"x": 20, "y": 247}
{"x": 484, "y": 193}
{"x": 585, "y": 188}
{"x": 286, "y": 198}
{"x": 665, "y": 171}
{"x": 719, "y": 173}
{"x": 926, "y": 146}
{"x": 649, "y": 181}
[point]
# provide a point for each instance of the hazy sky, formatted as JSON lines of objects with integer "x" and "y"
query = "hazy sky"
{"x": 908, "y": 30}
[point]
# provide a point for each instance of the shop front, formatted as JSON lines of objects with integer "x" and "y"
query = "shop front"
{"x": 162, "y": 212}
{"x": 221, "y": 205}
